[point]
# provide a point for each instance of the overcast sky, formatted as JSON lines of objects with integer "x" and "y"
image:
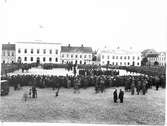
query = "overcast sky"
{"x": 140, "y": 24}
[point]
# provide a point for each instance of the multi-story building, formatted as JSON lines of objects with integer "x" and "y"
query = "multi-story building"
{"x": 8, "y": 53}
{"x": 120, "y": 57}
{"x": 79, "y": 55}
{"x": 157, "y": 59}
{"x": 38, "y": 52}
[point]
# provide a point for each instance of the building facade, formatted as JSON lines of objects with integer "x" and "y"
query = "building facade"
{"x": 157, "y": 59}
{"x": 120, "y": 57}
{"x": 8, "y": 54}
{"x": 38, "y": 52}
{"x": 79, "y": 55}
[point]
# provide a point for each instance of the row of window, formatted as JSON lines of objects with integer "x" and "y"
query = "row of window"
{"x": 121, "y": 57}
{"x": 38, "y": 51}
{"x": 38, "y": 59}
{"x": 158, "y": 58}
{"x": 8, "y": 53}
{"x": 76, "y": 56}
{"x": 121, "y": 63}
{"x": 78, "y": 62}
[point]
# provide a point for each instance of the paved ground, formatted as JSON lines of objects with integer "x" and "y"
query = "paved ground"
{"x": 86, "y": 107}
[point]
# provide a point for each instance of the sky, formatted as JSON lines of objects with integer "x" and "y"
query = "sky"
{"x": 140, "y": 24}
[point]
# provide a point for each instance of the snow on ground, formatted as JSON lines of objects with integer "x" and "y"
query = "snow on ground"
{"x": 40, "y": 71}
{"x": 59, "y": 72}
{"x": 86, "y": 107}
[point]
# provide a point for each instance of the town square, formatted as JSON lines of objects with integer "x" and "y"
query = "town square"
{"x": 91, "y": 62}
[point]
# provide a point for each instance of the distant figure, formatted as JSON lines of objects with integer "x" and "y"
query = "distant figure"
{"x": 30, "y": 91}
{"x": 25, "y": 96}
{"x": 121, "y": 96}
{"x": 115, "y": 96}
{"x": 34, "y": 92}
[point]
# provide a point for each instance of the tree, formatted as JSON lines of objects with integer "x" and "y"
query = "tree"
{"x": 156, "y": 63}
{"x": 144, "y": 61}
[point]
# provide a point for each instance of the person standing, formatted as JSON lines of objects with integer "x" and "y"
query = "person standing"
{"x": 132, "y": 87}
{"x": 115, "y": 96}
{"x": 121, "y": 96}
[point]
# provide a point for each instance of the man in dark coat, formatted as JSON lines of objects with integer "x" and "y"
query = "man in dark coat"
{"x": 115, "y": 96}
{"x": 121, "y": 96}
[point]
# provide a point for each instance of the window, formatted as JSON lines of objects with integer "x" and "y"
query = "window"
{"x": 108, "y": 57}
{"x": 44, "y": 51}
{"x": 124, "y": 63}
{"x": 80, "y": 56}
{"x": 50, "y": 59}
{"x": 50, "y": 51}
{"x": 116, "y": 63}
{"x": 56, "y": 51}
{"x": 19, "y": 51}
{"x": 116, "y": 57}
{"x": 31, "y": 58}
{"x": 89, "y": 56}
{"x": 32, "y": 51}
{"x": 102, "y": 56}
{"x": 128, "y": 57}
{"x": 128, "y": 63}
{"x": 121, "y": 63}
{"x": 80, "y": 62}
{"x": 71, "y": 55}
{"x": 138, "y": 63}
{"x": 12, "y": 53}
{"x": 85, "y": 56}
{"x": 120, "y": 57}
{"x": 76, "y": 56}
{"x": 112, "y": 63}
{"x": 25, "y": 58}
{"x": 67, "y": 55}
{"x": 56, "y": 60}
{"x": 37, "y": 51}
{"x": 4, "y": 53}
{"x": 133, "y": 57}
{"x": 8, "y": 53}
{"x": 25, "y": 50}
{"x": 44, "y": 59}
{"x": 138, "y": 57}
{"x": 113, "y": 57}
{"x": 63, "y": 55}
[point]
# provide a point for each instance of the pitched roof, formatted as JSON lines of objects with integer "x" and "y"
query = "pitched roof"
{"x": 76, "y": 49}
{"x": 8, "y": 46}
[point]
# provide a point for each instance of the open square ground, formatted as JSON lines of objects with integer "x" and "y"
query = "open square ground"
{"x": 85, "y": 107}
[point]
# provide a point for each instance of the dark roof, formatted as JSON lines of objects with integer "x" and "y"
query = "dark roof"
{"x": 76, "y": 49}
{"x": 8, "y": 47}
{"x": 152, "y": 55}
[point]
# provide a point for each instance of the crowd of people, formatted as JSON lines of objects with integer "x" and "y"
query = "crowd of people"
{"x": 98, "y": 72}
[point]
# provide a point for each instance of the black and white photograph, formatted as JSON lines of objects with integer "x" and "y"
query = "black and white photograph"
{"x": 83, "y": 62}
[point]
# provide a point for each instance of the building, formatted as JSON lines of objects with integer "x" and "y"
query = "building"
{"x": 120, "y": 57}
{"x": 157, "y": 59}
{"x": 79, "y": 55}
{"x": 38, "y": 52}
{"x": 8, "y": 54}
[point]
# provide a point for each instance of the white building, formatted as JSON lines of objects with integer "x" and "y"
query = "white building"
{"x": 8, "y": 53}
{"x": 79, "y": 55}
{"x": 120, "y": 57}
{"x": 38, "y": 52}
{"x": 159, "y": 58}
